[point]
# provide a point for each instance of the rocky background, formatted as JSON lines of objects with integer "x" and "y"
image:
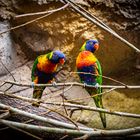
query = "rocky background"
{"x": 66, "y": 30}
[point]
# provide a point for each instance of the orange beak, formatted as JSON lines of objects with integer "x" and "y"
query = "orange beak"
{"x": 96, "y": 46}
{"x": 62, "y": 61}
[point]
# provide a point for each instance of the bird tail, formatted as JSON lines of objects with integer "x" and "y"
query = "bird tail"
{"x": 99, "y": 104}
{"x": 37, "y": 94}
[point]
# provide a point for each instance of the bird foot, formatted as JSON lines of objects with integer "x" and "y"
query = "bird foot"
{"x": 85, "y": 85}
{"x": 36, "y": 104}
{"x": 97, "y": 85}
{"x": 54, "y": 84}
{"x": 32, "y": 84}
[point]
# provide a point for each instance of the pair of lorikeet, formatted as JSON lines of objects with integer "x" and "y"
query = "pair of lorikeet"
{"x": 88, "y": 68}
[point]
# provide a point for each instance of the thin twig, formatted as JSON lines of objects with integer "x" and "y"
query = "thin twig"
{"x": 40, "y": 13}
{"x": 92, "y": 16}
{"x": 76, "y": 84}
{"x": 106, "y": 77}
{"x": 5, "y": 115}
{"x": 75, "y": 106}
{"x": 36, "y": 19}
{"x": 84, "y": 137}
{"x": 67, "y": 117}
{"x": 4, "y": 128}
{"x": 124, "y": 114}
{"x": 62, "y": 95}
{"x": 122, "y": 132}
{"x": 9, "y": 73}
{"x": 64, "y": 137}
{"x": 8, "y": 70}
{"x": 78, "y": 99}
{"x": 58, "y": 94}
{"x": 43, "y": 119}
{"x": 21, "y": 130}
{"x": 93, "y": 20}
{"x": 31, "y": 120}
{"x": 3, "y": 111}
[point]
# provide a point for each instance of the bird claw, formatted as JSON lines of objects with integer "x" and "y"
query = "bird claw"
{"x": 97, "y": 85}
{"x": 85, "y": 85}
{"x": 54, "y": 84}
{"x": 32, "y": 84}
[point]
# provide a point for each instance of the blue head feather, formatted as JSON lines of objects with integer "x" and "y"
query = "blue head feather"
{"x": 90, "y": 45}
{"x": 56, "y": 56}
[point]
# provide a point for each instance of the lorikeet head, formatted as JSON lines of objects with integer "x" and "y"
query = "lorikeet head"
{"x": 57, "y": 57}
{"x": 90, "y": 45}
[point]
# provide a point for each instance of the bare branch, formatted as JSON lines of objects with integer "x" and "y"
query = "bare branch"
{"x": 5, "y": 115}
{"x": 23, "y": 131}
{"x": 98, "y": 110}
{"x": 106, "y": 77}
{"x": 76, "y": 84}
{"x": 40, "y": 13}
{"x": 67, "y": 117}
{"x": 78, "y": 99}
{"x": 9, "y": 73}
{"x": 96, "y": 22}
{"x": 75, "y": 106}
{"x": 122, "y": 132}
{"x": 36, "y": 19}
{"x": 43, "y": 119}
{"x": 63, "y": 98}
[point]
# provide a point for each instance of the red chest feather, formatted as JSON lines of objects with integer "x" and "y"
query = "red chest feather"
{"x": 85, "y": 58}
{"x": 47, "y": 66}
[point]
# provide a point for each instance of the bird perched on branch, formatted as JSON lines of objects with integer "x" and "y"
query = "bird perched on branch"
{"x": 90, "y": 73}
{"x": 44, "y": 70}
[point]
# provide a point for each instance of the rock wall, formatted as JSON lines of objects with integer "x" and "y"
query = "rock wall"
{"x": 67, "y": 31}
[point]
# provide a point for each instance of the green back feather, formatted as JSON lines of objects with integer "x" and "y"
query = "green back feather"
{"x": 34, "y": 68}
{"x": 83, "y": 47}
{"x": 99, "y": 78}
{"x": 48, "y": 55}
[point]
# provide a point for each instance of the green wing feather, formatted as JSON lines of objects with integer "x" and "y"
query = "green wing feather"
{"x": 99, "y": 77}
{"x": 48, "y": 55}
{"x": 98, "y": 99}
{"x": 33, "y": 69}
{"x": 38, "y": 91}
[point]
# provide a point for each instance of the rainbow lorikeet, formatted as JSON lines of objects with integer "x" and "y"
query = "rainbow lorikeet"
{"x": 88, "y": 64}
{"x": 44, "y": 70}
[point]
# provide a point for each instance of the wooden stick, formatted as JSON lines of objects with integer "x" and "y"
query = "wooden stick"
{"x": 76, "y": 106}
{"x": 36, "y": 19}
{"x": 40, "y": 13}
{"x": 5, "y": 115}
{"x": 44, "y": 119}
{"x": 93, "y": 20}
{"x": 124, "y": 114}
{"x": 23, "y": 131}
{"x": 76, "y": 84}
{"x": 122, "y": 132}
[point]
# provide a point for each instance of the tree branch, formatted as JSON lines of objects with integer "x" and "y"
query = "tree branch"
{"x": 122, "y": 132}
{"x": 23, "y": 131}
{"x": 5, "y": 115}
{"x": 75, "y": 106}
{"x": 41, "y": 13}
{"x": 36, "y": 19}
{"x": 96, "y": 22}
{"x": 43, "y": 119}
{"x": 75, "y": 84}
{"x": 124, "y": 114}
